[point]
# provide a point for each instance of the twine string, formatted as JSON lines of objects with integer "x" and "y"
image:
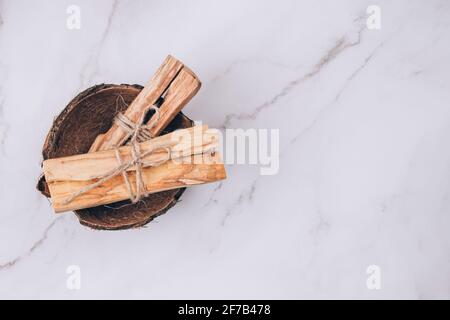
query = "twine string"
{"x": 137, "y": 131}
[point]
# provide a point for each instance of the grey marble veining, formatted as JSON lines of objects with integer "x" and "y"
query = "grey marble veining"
{"x": 364, "y": 120}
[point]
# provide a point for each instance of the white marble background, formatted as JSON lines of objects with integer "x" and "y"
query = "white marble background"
{"x": 364, "y": 119}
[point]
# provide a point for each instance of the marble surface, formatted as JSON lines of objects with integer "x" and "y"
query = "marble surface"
{"x": 364, "y": 120}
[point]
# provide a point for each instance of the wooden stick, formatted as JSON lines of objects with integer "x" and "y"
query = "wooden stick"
{"x": 170, "y": 175}
{"x": 89, "y": 166}
{"x": 180, "y": 83}
{"x": 189, "y": 165}
{"x": 180, "y": 92}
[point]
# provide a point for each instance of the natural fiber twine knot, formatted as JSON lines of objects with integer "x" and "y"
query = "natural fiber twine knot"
{"x": 143, "y": 131}
{"x": 138, "y": 133}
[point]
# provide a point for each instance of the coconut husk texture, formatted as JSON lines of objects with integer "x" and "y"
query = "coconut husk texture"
{"x": 89, "y": 114}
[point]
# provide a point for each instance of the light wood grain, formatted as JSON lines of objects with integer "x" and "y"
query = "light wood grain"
{"x": 178, "y": 82}
{"x": 204, "y": 168}
{"x": 89, "y": 166}
{"x": 179, "y": 93}
{"x": 191, "y": 163}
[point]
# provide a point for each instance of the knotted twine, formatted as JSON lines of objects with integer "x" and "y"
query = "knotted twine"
{"x": 139, "y": 132}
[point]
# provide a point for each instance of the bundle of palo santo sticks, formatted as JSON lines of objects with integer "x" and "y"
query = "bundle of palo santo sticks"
{"x": 130, "y": 161}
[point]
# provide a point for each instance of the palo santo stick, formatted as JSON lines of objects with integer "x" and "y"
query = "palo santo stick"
{"x": 89, "y": 166}
{"x": 181, "y": 85}
{"x": 180, "y": 92}
{"x": 203, "y": 168}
